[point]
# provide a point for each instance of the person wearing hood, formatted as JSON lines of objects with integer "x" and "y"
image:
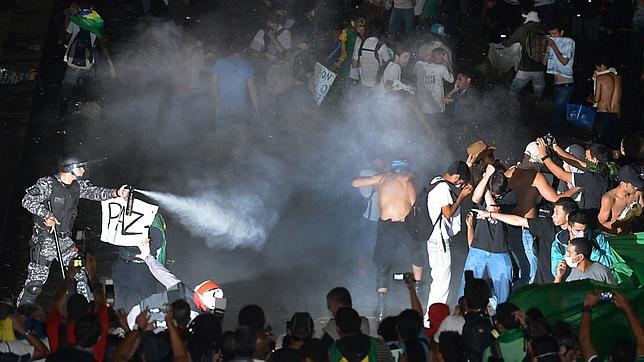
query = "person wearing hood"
{"x": 529, "y": 70}
{"x": 53, "y": 201}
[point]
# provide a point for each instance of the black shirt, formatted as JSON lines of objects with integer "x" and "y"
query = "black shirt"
{"x": 544, "y": 230}
{"x": 71, "y": 354}
{"x": 593, "y": 186}
{"x": 491, "y": 236}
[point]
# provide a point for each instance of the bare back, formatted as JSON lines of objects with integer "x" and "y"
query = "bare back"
{"x": 619, "y": 203}
{"x": 520, "y": 181}
{"x": 609, "y": 93}
{"x": 396, "y": 195}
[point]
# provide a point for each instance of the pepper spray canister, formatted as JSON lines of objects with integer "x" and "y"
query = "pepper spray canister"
{"x": 130, "y": 201}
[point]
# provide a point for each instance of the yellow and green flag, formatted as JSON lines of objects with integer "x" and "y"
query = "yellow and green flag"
{"x": 90, "y": 21}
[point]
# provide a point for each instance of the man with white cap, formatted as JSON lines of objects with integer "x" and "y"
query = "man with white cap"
{"x": 529, "y": 69}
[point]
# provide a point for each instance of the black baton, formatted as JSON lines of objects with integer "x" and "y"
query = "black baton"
{"x": 59, "y": 254}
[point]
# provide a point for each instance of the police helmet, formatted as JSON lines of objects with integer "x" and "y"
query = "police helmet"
{"x": 68, "y": 164}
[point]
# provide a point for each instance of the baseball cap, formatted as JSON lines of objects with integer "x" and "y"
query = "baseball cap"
{"x": 631, "y": 175}
{"x": 479, "y": 149}
{"x": 301, "y": 325}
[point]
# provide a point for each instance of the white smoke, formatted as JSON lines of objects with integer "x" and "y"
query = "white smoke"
{"x": 223, "y": 220}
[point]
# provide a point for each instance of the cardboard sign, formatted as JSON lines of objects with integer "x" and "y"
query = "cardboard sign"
{"x": 323, "y": 80}
{"x": 121, "y": 229}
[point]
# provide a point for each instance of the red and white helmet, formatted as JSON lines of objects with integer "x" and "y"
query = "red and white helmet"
{"x": 208, "y": 296}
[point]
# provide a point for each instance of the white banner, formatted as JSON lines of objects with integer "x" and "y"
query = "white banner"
{"x": 323, "y": 80}
{"x": 122, "y": 230}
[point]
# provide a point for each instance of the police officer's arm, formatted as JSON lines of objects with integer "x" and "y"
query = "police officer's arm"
{"x": 35, "y": 196}
{"x": 97, "y": 193}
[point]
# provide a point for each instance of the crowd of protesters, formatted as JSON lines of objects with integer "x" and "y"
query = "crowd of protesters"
{"x": 546, "y": 220}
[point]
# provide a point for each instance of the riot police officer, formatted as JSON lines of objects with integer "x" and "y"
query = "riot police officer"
{"x": 53, "y": 201}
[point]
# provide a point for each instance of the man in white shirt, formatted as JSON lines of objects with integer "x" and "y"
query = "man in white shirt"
{"x": 561, "y": 55}
{"x": 443, "y": 203}
{"x": 368, "y": 56}
{"x": 273, "y": 41}
{"x": 430, "y": 75}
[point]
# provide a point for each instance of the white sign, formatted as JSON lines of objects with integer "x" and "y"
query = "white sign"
{"x": 323, "y": 80}
{"x": 121, "y": 229}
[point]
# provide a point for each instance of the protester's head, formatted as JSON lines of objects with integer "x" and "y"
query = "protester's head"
{"x": 387, "y": 329}
{"x": 244, "y": 342}
{"x": 578, "y": 251}
{"x": 567, "y": 341}
{"x": 300, "y": 327}
{"x": 204, "y": 336}
{"x": 337, "y": 298}
{"x": 208, "y": 296}
{"x": 458, "y": 173}
{"x": 505, "y": 318}
{"x": 597, "y": 153}
{"x": 601, "y": 62}
{"x": 400, "y": 166}
{"x": 577, "y": 224}
{"x": 403, "y": 54}
{"x": 348, "y": 322}
{"x": 563, "y": 207}
{"x": 632, "y": 146}
{"x": 498, "y": 184}
{"x": 181, "y": 312}
{"x": 536, "y": 324}
{"x": 154, "y": 347}
{"x": 577, "y": 151}
{"x": 451, "y": 347}
{"x": 630, "y": 179}
{"x": 273, "y": 21}
{"x": 227, "y": 344}
{"x": 623, "y": 350}
{"x": 439, "y": 55}
{"x": 481, "y": 152}
{"x": 556, "y": 29}
{"x": 544, "y": 349}
{"x": 531, "y": 158}
{"x": 477, "y": 294}
{"x": 252, "y": 316}
{"x": 463, "y": 80}
{"x": 409, "y": 326}
{"x": 77, "y": 307}
{"x": 359, "y": 25}
{"x": 87, "y": 330}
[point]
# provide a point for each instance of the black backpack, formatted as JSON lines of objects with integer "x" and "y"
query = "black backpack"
{"x": 477, "y": 334}
{"x": 418, "y": 223}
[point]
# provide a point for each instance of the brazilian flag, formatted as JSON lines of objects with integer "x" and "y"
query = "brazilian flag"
{"x": 90, "y": 21}
{"x": 565, "y": 301}
{"x": 159, "y": 224}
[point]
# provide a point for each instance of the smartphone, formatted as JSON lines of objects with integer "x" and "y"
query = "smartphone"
{"x": 156, "y": 310}
{"x": 503, "y": 36}
{"x": 606, "y": 296}
{"x": 399, "y": 276}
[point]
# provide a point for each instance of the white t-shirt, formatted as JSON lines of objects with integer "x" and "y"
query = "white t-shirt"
{"x": 451, "y": 323}
{"x": 74, "y": 29}
{"x": 440, "y": 196}
{"x": 284, "y": 37}
{"x": 391, "y": 73}
{"x": 403, "y": 4}
{"x": 369, "y": 65}
{"x": 429, "y": 85}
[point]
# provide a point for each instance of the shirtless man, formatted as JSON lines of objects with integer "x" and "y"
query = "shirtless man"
{"x": 620, "y": 204}
{"x": 397, "y": 195}
{"x": 607, "y": 98}
{"x": 530, "y": 186}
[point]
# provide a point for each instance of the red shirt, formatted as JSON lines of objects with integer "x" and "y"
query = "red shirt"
{"x": 55, "y": 320}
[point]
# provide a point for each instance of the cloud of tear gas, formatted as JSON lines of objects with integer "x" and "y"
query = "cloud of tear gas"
{"x": 224, "y": 221}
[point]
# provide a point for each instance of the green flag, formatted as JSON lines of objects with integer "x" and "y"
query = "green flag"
{"x": 90, "y": 21}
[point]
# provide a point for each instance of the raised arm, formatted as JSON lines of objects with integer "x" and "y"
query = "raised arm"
{"x": 40, "y": 350}
{"x": 163, "y": 275}
{"x": 547, "y": 192}
{"x": 367, "y": 180}
{"x": 449, "y": 210}
{"x": 97, "y": 193}
{"x": 558, "y": 54}
{"x": 636, "y": 326}
{"x": 479, "y": 191}
{"x": 556, "y": 170}
{"x": 509, "y": 219}
{"x": 569, "y": 158}
{"x": 585, "y": 331}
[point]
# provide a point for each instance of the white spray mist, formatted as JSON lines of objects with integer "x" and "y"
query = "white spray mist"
{"x": 223, "y": 221}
